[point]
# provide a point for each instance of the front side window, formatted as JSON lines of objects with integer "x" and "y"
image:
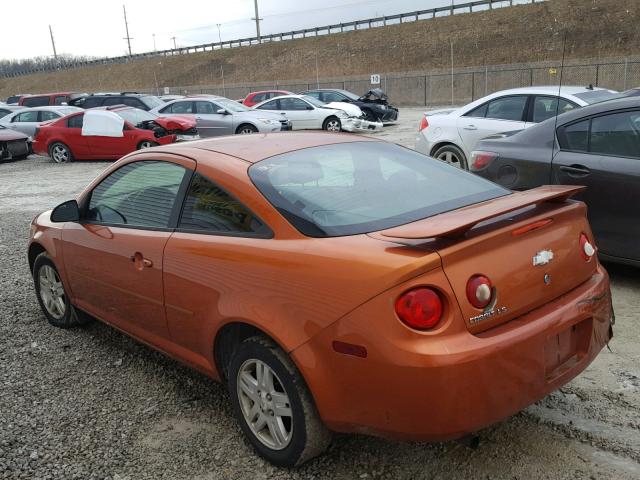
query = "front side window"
{"x": 205, "y": 107}
{"x": 507, "y": 108}
{"x": 259, "y": 97}
{"x": 140, "y": 194}
{"x": 208, "y": 208}
{"x": 329, "y": 97}
{"x": 133, "y": 102}
{"x": 293, "y": 104}
{"x": 92, "y": 102}
{"x": 545, "y": 107}
{"x": 617, "y": 134}
{"x": 272, "y": 105}
{"x": 361, "y": 187}
{"x": 60, "y": 100}
{"x": 35, "y": 101}
{"x": 31, "y": 116}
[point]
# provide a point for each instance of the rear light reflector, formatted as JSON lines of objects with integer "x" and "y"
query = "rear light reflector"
{"x": 479, "y": 291}
{"x": 481, "y": 159}
{"x": 587, "y": 250}
{"x": 424, "y": 123}
{"x": 349, "y": 349}
{"x": 420, "y": 308}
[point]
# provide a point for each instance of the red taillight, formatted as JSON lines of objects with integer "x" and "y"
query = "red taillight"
{"x": 420, "y": 308}
{"x": 424, "y": 123}
{"x": 587, "y": 250}
{"x": 479, "y": 291}
{"x": 482, "y": 159}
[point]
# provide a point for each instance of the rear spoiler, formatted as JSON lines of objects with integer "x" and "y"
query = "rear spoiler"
{"x": 458, "y": 222}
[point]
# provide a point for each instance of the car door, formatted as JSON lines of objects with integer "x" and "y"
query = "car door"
{"x": 301, "y": 114}
{"x": 209, "y": 122}
{"x": 115, "y": 147}
{"x": 603, "y": 153}
{"x": 203, "y": 262}
{"x": 25, "y": 122}
{"x": 72, "y": 135}
{"x": 502, "y": 114}
{"x": 113, "y": 257}
{"x": 544, "y": 107}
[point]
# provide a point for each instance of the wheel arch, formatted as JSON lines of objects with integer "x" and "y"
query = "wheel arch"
{"x": 35, "y": 249}
{"x": 243, "y": 123}
{"x": 443, "y": 144}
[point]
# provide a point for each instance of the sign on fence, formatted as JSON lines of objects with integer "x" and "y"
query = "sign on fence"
{"x": 167, "y": 91}
{"x": 375, "y": 79}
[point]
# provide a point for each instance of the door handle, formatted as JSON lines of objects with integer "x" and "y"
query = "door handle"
{"x": 140, "y": 261}
{"x": 470, "y": 127}
{"x": 575, "y": 170}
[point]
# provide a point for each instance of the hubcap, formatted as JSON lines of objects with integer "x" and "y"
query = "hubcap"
{"x": 146, "y": 145}
{"x": 51, "y": 292}
{"x": 450, "y": 158}
{"x": 265, "y": 404}
{"x": 333, "y": 126}
{"x": 245, "y": 131}
{"x": 60, "y": 154}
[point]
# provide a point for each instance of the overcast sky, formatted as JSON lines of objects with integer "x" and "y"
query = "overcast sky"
{"x": 85, "y": 27}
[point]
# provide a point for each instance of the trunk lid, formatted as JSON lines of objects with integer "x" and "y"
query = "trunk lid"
{"x": 500, "y": 239}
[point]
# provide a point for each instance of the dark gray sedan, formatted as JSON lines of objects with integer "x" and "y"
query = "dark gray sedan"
{"x": 597, "y": 146}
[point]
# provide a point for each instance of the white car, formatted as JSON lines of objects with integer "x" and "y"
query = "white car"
{"x": 28, "y": 119}
{"x": 307, "y": 113}
{"x": 451, "y": 134}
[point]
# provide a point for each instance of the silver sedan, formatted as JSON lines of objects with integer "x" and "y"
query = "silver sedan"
{"x": 221, "y": 116}
{"x": 28, "y": 119}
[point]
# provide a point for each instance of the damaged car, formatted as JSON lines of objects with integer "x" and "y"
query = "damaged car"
{"x": 309, "y": 113}
{"x": 107, "y": 135}
{"x": 13, "y": 145}
{"x": 374, "y": 104}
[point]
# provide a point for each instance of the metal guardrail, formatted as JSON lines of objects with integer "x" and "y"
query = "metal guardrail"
{"x": 277, "y": 37}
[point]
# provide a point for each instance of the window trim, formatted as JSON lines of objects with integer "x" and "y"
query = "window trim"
{"x": 560, "y": 132}
{"x": 267, "y": 234}
{"x": 176, "y": 211}
{"x": 532, "y": 105}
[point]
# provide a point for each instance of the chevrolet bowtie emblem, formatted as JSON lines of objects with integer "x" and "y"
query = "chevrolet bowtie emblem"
{"x": 542, "y": 257}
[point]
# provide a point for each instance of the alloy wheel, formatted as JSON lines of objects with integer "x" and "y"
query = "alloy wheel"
{"x": 333, "y": 126}
{"x": 51, "y": 292}
{"x": 451, "y": 158}
{"x": 265, "y": 404}
{"x": 146, "y": 144}
{"x": 59, "y": 154}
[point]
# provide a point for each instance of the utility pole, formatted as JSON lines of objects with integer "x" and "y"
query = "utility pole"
{"x": 257, "y": 19}
{"x": 174, "y": 43}
{"x": 126, "y": 26}
{"x": 53, "y": 44}
{"x": 219, "y": 36}
{"x": 154, "y": 42}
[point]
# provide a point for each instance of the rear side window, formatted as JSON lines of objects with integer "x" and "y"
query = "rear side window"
{"x": 507, "y": 108}
{"x": 259, "y": 97}
{"x": 478, "y": 112}
{"x": 575, "y": 136}
{"x": 272, "y": 105}
{"x": 208, "y": 208}
{"x": 617, "y": 134}
{"x": 133, "y": 102}
{"x": 75, "y": 121}
{"x": 59, "y": 100}
{"x": 361, "y": 187}
{"x": 293, "y": 104}
{"x": 46, "y": 116}
{"x": 545, "y": 107}
{"x": 35, "y": 101}
{"x": 140, "y": 194}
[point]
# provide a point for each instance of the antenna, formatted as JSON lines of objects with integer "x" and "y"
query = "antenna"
{"x": 126, "y": 27}
{"x": 555, "y": 121}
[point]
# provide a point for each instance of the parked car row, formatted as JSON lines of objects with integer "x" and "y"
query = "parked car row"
{"x": 514, "y": 138}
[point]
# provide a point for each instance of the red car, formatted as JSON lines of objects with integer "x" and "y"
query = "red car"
{"x": 255, "y": 98}
{"x": 41, "y": 100}
{"x": 65, "y": 139}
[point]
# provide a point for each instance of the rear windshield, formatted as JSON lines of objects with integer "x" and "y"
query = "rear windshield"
{"x": 597, "y": 96}
{"x": 361, "y": 187}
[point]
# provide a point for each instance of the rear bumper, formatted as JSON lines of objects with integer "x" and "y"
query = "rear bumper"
{"x": 442, "y": 387}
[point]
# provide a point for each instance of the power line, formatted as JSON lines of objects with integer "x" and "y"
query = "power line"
{"x": 126, "y": 26}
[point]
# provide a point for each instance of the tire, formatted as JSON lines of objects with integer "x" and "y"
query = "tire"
{"x": 452, "y": 155}
{"x": 369, "y": 115}
{"x": 301, "y": 433}
{"x": 52, "y": 295}
{"x": 332, "y": 124}
{"x": 246, "y": 129}
{"x": 60, "y": 153}
{"x": 147, "y": 144}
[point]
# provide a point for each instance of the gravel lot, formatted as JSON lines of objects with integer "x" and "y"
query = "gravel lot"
{"x": 91, "y": 403}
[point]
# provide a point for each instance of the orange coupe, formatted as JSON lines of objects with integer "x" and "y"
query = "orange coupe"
{"x": 335, "y": 283}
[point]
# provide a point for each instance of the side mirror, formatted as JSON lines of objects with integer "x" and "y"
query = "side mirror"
{"x": 66, "y": 212}
{"x": 222, "y": 111}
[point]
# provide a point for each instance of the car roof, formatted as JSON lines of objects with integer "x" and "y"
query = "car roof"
{"x": 253, "y": 148}
{"x": 601, "y": 107}
{"x": 544, "y": 89}
{"x": 267, "y": 91}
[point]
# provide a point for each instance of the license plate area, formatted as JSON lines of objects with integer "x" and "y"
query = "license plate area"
{"x": 565, "y": 350}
